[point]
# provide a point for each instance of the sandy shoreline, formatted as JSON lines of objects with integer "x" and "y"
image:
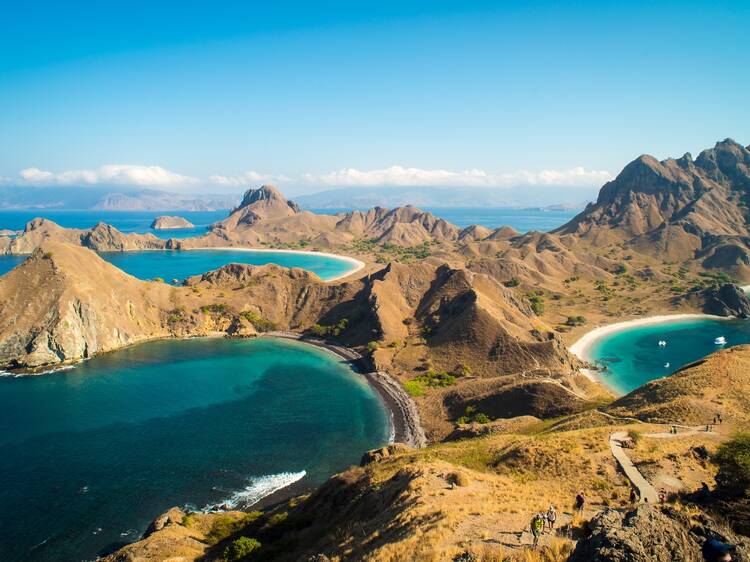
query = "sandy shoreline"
{"x": 582, "y": 347}
{"x": 405, "y": 424}
{"x": 357, "y": 264}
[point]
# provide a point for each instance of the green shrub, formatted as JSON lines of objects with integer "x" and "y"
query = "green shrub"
{"x": 733, "y": 458}
{"x": 481, "y": 418}
{"x": 472, "y": 415}
{"x": 261, "y": 324}
{"x": 241, "y": 548}
{"x": 215, "y": 308}
{"x": 414, "y": 388}
{"x": 620, "y": 269}
{"x": 322, "y": 330}
{"x": 48, "y": 255}
{"x": 512, "y": 282}
{"x": 436, "y": 379}
{"x": 372, "y": 346}
{"x": 224, "y": 526}
{"x": 575, "y": 321}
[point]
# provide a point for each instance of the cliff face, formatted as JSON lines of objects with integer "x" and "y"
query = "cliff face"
{"x": 65, "y": 303}
{"x": 677, "y": 209}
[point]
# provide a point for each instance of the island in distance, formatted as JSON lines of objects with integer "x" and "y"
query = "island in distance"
{"x": 167, "y": 222}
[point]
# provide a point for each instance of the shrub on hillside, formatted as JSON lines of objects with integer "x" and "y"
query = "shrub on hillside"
{"x": 241, "y": 548}
{"x": 733, "y": 458}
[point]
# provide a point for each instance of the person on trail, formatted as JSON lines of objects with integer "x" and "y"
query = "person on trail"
{"x": 633, "y": 496}
{"x": 537, "y": 526}
{"x": 717, "y": 551}
{"x": 551, "y": 517}
{"x": 580, "y": 502}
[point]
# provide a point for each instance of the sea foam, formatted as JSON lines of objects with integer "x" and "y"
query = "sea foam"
{"x": 259, "y": 488}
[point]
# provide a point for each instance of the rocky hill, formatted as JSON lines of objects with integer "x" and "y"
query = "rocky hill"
{"x": 65, "y": 303}
{"x": 678, "y": 209}
{"x": 102, "y": 237}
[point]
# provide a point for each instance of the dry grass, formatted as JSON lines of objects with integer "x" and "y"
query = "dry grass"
{"x": 558, "y": 550}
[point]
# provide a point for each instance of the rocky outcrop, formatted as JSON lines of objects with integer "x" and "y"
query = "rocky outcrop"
{"x": 65, "y": 303}
{"x": 258, "y": 205}
{"x": 378, "y": 454}
{"x": 677, "y": 209}
{"x": 167, "y": 222}
{"x": 102, "y": 237}
{"x": 726, "y": 300}
{"x": 645, "y": 534}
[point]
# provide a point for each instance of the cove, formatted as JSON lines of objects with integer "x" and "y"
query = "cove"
{"x": 89, "y": 456}
{"x": 175, "y": 264}
{"x": 633, "y": 356}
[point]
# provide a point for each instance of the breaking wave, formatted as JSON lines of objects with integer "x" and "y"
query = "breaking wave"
{"x": 259, "y": 488}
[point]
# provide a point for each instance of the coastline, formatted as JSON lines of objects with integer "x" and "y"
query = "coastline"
{"x": 582, "y": 347}
{"x": 358, "y": 265}
{"x": 404, "y": 417}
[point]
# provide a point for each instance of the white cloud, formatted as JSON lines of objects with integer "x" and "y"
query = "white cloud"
{"x": 400, "y": 176}
{"x": 112, "y": 174}
{"x": 248, "y": 179}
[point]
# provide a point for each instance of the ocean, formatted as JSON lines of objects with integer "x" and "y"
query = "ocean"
{"x": 89, "y": 456}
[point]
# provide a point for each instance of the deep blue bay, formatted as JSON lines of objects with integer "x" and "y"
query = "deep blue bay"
{"x": 174, "y": 264}
{"x": 89, "y": 456}
{"x": 633, "y": 357}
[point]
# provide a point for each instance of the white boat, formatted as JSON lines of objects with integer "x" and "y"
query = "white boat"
{"x": 721, "y": 340}
{"x": 662, "y": 343}
{"x": 666, "y": 365}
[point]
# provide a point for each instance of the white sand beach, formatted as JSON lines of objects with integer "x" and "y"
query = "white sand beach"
{"x": 357, "y": 265}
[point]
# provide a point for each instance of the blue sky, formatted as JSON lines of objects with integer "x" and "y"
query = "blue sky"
{"x": 220, "y": 95}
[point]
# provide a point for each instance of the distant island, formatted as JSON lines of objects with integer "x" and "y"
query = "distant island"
{"x": 167, "y": 222}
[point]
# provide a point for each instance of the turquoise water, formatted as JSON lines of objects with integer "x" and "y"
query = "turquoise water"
{"x": 633, "y": 357}
{"x": 124, "y": 221}
{"x": 89, "y": 456}
{"x": 172, "y": 264}
{"x": 522, "y": 220}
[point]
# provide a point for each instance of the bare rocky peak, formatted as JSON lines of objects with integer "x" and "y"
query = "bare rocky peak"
{"x": 266, "y": 195}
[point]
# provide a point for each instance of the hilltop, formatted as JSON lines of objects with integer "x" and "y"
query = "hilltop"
{"x": 681, "y": 209}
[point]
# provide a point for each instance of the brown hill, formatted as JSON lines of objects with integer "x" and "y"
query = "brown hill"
{"x": 65, "y": 303}
{"x": 102, "y": 237}
{"x": 677, "y": 209}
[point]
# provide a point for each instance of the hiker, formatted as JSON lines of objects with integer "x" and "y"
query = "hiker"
{"x": 717, "y": 551}
{"x": 580, "y": 502}
{"x": 633, "y": 496}
{"x": 662, "y": 496}
{"x": 551, "y": 517}
{"x": 537, "y": 526}
{"x": 674, "y": 430}
{"x": 718, "y": 417}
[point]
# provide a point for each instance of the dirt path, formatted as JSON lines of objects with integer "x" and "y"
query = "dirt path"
{"x": 646, "y": 491}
